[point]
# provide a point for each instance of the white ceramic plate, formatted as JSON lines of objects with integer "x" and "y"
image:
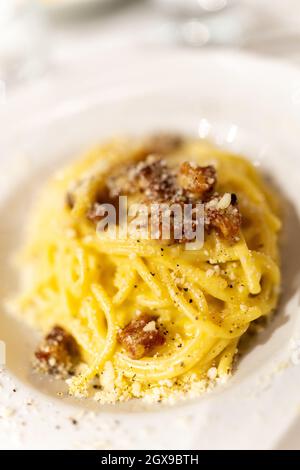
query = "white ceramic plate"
{"x": 245, "y": 104}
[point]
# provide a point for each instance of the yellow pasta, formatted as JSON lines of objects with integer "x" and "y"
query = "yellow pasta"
{"x": 93, "y": 286}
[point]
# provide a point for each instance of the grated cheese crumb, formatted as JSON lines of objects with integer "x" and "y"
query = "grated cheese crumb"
{"x": 224, "y": 202}
{"x": 210, "y": 272}
{"x": 136, "y": 389}
{"x": 7, "y": 412}
{"x": 151, "y": 326}
{"x": 71, "y": 233}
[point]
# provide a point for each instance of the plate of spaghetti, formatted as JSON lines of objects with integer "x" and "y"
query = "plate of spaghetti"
{"x": 151, "y": 268}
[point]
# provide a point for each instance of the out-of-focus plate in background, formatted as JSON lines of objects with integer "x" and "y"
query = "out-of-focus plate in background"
{"x": 216, "y": 95}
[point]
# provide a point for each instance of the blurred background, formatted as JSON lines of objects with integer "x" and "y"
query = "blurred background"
{"x": 40, "y": 38}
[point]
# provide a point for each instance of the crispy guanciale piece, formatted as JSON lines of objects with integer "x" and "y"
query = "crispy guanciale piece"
{"x": 58, "y": 353}
{"x": 196, "y": 179}
{"x": 155, "y": 180}
{"x": 141, "y": 336}
{"x": 222, "y": 213}
{"x": 163, "y": 143}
